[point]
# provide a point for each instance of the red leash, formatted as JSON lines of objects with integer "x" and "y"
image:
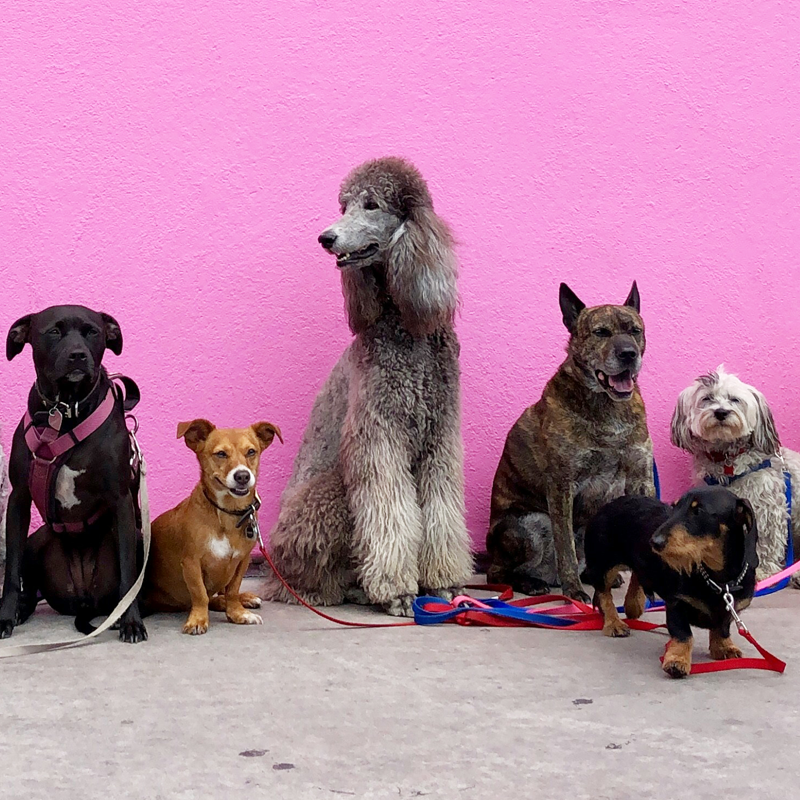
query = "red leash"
{"x": 583, "y": 617}
{"x": 319, "y": 613}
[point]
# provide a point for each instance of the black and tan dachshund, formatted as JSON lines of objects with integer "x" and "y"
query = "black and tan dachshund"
{"x": 688, "y": 554}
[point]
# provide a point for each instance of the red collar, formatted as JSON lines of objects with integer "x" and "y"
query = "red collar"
{"x": 726, "y": 458}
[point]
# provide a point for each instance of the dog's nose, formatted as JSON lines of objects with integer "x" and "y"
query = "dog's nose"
{"x": 721, "y": 414}
{"x": 327, "y": 239}
{"x": 658, "y": 541}
{"x": 242, "y": 476}
{"x": 626, "y": 355}
{"x": 78, "y": 355}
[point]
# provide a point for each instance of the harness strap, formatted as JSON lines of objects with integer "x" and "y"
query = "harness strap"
{"x": 49, "y": 449}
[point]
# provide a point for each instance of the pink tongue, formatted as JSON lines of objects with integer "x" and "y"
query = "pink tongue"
{"x": 621, "y": 384}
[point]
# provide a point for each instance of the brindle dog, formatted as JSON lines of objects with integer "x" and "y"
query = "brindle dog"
{"x": 584, "y": 443}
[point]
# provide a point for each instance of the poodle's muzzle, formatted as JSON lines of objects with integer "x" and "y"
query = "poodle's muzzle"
{"x": 362, "y": 234}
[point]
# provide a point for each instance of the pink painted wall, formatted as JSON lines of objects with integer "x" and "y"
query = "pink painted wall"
{"x": 173, "y": 162}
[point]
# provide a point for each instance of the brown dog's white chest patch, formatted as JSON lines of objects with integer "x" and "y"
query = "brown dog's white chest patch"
{"x": 65, "y": 487}
{"x": 220, "y": 547}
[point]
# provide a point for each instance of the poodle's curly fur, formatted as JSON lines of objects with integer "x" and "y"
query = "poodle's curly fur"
{"x": 374, "y": 508}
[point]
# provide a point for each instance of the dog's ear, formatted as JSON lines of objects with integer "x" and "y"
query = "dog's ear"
{"x": 194, "y": 433}
{"x": 765, "y": 434}
{"x": 571, "y": 306}
{"x": 746, "y": 518}
{"x": 680, "y": 432}
{"x": 632, "y": 299}
{"x": 265, "y": 432}
{"x": 113, "y": 334}
{"x": 422, "y": 270}
{"x": 17, "y": 336}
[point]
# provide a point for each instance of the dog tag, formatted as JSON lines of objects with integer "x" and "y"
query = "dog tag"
{"x": 55, "y": 419}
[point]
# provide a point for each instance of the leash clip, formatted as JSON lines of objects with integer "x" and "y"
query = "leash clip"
{"x": 727, "y": 597}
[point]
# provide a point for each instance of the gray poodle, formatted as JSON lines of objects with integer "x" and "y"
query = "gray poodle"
{"x": 374, "y": 509}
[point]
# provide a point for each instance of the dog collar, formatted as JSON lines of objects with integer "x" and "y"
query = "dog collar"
{"x": 727, "y": 592}
{"x": 247, "y": 516}
{"x": 57, "y": 409}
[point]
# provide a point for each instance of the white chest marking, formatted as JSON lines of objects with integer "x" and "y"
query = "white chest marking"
{"x": 220, "y": 547}
{"x": 65, "y": 487}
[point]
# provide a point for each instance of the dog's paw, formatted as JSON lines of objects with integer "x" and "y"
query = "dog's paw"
{"x": 401, "y": 606}
{"x": 6, "y": 628}
{"x": 196, "y": 626}
{"x": 575, "y": 592}
{"x": 616, "y": 629}
{"x": 246, "y": 618}
{"x": 531, "y": 586}
{"x": 677, "y": 667}
{"x": 132, "y": 631}
{"x": 250, "y": 600}
{"x": 723, "y": 649}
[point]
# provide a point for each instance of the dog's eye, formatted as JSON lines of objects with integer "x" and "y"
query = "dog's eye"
{"x": 636, "y": 331}
{"x": 370, "y": 205}
{"x": 54, "y": 332}
{"x": 91, "y": 332}
{"x": 251, "y": 452}
{"x": 220, "y": 454}
{"x": 735, "y": 400}
{"x": 705, "y": 400}
{"x": 603, "y": 333}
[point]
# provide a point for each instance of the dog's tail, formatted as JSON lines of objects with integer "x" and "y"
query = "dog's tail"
{"x": 83, "y": 621}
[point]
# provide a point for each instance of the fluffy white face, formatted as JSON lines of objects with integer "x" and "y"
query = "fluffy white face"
{"x": 718, "y": 409}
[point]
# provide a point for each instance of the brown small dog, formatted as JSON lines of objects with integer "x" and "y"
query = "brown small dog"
{"x": 584, "y": 443}
{"x": 201, "y": 548}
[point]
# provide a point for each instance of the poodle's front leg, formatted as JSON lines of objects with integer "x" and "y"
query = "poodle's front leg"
{"x": 387, "y": 526}
{"x": 445, "y": 560}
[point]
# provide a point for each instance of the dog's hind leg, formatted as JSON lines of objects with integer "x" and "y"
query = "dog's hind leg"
{"x": 445, "y": 559}
{"x": 634, "y": 599}
{"x": 612, "y": 624}
{"x": 310, "y": 543}
{"x": 522, "y": 553}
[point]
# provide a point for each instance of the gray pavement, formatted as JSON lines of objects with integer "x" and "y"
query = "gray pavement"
{"x": 298, "y": 708}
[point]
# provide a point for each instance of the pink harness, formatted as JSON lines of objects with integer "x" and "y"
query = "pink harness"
{"x": 49, "y": 451}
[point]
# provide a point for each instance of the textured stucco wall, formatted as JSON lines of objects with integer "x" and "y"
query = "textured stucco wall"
{"x": 172, "y": 163}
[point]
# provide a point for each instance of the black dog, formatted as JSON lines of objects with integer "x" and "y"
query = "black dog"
{"x": 688, "y": 554}
{"x": 84, "y": 559}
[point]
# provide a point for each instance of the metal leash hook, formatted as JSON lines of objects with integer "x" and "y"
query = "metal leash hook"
{"x": 731, "y": 609}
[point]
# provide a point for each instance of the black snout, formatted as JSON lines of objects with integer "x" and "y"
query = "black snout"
{"x": 327, "y": 239}
{"x": 721, "y": 414}
{"x": 242, "y": 477}
{"x": 658, "y": 541}
{"x": 79, "y": 355}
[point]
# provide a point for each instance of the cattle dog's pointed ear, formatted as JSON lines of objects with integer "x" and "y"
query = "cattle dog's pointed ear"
{"x": 571, "y": 306}
{"x": 265, "y": 433}
{"x": 194, "y": 433}
{"x": 17, "y": 336}
{"x": 113, "y": 334}
{"x": 632, "y": 299}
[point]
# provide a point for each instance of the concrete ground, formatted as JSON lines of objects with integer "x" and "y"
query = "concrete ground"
{"x": 299, "y": 708}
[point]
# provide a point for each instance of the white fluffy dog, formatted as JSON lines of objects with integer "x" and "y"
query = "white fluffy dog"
{"x": 728, "y": 427}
